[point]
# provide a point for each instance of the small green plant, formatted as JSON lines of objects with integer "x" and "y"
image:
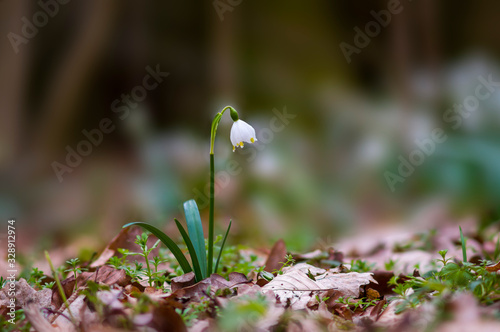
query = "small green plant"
{"x": 195, "y": 310}
{"x": 49, "y": 285}
{"x": 142, "y": 242}
{"x": 117, "y": 262}
{"x": 443, "y": 259}
{"x": 451, "y": 277}
{"x": 72, "y": 263}
{"x": 361, "y": 303}
{"x": 389, "y": 266}
{"x": 203, "y": 260}
{"x": 289, "y": 261}
{"x": 323, "y": 299}
{"x": 411, "y": 291}
{"x": 20, "y": 323}
{"x": 36, "y": 277}
{"x": 136, "y": 270}
{"x": 361, "y": 266}
{"x": 456, "y": 275}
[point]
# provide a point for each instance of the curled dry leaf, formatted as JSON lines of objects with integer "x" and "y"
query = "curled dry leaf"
{"x": 274, "y": 261}
{"x": 185, "y": 280}
{"x": 382, "y": 286}
{"x": 493, "y": 268}
{"x": 296, "y": 288}
{"x": 124, "y": 239}
{"x": 310, "y": 255}
{"x": 276, "y": 256}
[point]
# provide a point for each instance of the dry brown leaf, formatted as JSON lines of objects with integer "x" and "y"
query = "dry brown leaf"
{"x": 377, "y": 309}
{"x": 124, "y": 239}
{"x": 276, "y": 257}
{"x": 493, "y": 268}
{"x": 310, "y": 255}
{"x": 104, "y": 275}
{"x": 198, "y": 290}
{"x": 165, "y": 318}
{"x": 382, "y": 286}
{"x": 249, "y": 289}
{"x": 185, "y": 280}
{"x": 297, "y": 288}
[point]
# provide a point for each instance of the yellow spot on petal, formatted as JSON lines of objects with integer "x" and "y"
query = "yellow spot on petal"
{"x": 252, "y": 140}
{"x": 234, "y": 148}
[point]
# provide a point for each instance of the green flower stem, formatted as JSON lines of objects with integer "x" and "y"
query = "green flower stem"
{"x": 211, "y": 218}
{"x": 215, "y": 124}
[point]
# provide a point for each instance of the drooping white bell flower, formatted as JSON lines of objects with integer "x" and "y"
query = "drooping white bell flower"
{"x": 242, "y": 132}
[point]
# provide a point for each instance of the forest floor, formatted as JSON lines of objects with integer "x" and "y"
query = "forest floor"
{"x": 436, "y": 280}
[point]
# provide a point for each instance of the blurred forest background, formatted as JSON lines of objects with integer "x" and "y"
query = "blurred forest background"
{"x": 319, "y": 177}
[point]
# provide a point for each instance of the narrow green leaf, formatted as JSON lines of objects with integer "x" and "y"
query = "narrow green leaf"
{"x": 194, "y": 258}
{"x": 195, "y": 230}
{"x": 222, "y": 246}
{"x": 176, "y": 251}
{"x": 464, "y": 252}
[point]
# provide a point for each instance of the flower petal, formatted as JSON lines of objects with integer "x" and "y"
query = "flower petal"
{"x": 242, "y": 132}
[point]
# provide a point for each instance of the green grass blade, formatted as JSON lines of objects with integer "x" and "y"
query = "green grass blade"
{"x": 464, "y": 252}
{"x": 195, "y": 230}
{"x": 222, "y": 247}
{"x": 176, "y": 251}
{"x": 194, "y": 258}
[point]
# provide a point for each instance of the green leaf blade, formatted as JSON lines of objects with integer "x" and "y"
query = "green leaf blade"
{"x": 192, "y": 251}
{"x": 464, "y": 251}
{"x": 195, "y": 230}
{"x": 222, "y": 246}
{"x": 171, "y": 245}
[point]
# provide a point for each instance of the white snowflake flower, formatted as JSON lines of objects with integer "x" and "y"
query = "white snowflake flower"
{"x": 242, "y": 132}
